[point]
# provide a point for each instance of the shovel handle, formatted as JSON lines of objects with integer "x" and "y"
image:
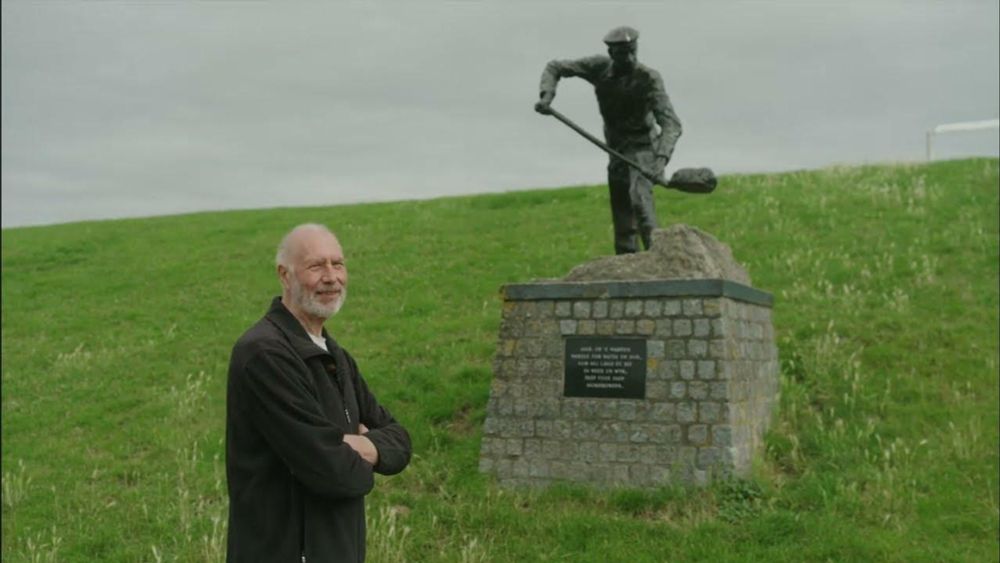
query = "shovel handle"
{"x": 656, "y": 179}
{"x": 682, "y": 182}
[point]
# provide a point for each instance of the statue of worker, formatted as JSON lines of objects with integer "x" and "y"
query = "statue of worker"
{"x": 639, "y": 122}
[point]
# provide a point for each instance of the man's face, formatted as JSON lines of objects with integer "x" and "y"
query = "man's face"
{"x": 623, "y": 55}
{"x": 317, "y": 279}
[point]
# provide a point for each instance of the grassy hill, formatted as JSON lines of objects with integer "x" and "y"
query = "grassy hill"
{"x": 116, "y": 337}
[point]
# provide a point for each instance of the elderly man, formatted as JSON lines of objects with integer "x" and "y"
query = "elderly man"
{"x": 304, "y": 434}
{"x": 639, "y": 122}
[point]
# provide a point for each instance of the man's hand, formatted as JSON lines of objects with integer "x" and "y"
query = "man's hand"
{"x": 544, "y": 104}
{"x": 362, "y": 445}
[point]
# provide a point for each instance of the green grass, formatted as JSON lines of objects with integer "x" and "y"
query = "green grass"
{"x": 116, "y": 337}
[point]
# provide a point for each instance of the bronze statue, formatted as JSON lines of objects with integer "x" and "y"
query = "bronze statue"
{"x": 640, "y": 128}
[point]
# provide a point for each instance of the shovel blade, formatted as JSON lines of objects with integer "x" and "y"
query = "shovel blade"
{"x": 693, "y": 180}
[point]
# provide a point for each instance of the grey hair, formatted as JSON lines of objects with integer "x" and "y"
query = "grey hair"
{"x": 281, "y": 257}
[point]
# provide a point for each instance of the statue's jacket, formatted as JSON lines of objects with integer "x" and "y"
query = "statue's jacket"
{"x": 295, "y": 487}
{"x": 630, "y": 103}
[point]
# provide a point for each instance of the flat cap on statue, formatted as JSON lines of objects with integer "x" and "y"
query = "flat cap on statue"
{"x": 623, "y": 34}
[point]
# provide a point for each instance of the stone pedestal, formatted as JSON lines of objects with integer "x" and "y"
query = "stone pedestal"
{"x": 706, "y": 347}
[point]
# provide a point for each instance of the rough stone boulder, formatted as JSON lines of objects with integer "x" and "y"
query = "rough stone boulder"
{"x": 678, "y": 252}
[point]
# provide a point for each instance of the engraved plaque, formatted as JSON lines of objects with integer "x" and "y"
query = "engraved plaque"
{"x": 613, "y": 368}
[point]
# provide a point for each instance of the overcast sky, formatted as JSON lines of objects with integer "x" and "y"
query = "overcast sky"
{"x": 124, "y": 109}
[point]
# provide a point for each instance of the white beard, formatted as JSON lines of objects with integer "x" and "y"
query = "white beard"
{"x": 311, "y": 305}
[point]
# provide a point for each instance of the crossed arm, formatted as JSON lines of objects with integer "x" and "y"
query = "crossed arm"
{"x": 361, "y": 444}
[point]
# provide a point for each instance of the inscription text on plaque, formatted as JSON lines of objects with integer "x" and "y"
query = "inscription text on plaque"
{"x": 605, "y": 367}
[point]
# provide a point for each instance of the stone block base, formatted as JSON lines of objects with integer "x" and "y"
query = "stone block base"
{"x": 710, "y": 385}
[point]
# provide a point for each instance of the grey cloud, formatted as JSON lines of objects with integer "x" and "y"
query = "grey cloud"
{"x": 119, "y": 109}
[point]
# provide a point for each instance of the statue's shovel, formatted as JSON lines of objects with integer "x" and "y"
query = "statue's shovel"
{"x": 690, "y": 180}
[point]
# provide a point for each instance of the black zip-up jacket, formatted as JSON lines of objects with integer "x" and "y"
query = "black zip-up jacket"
{"x": 295, "y": 488}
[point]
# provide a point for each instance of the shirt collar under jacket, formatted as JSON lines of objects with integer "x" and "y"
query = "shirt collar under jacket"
{"x": 281, "y": 317}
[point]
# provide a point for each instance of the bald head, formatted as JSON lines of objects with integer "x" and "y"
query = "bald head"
{"x": 292, "y": 244}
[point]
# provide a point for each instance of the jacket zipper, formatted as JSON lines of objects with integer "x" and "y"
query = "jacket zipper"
{"x": 340, "y": 386}
{"x": 302, "y": 535}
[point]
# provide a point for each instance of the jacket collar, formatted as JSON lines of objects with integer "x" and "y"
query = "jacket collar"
{"x": 296, "y": 334}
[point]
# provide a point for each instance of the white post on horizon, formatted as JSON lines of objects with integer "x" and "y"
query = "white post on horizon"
{"x": 962, "y": 126}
